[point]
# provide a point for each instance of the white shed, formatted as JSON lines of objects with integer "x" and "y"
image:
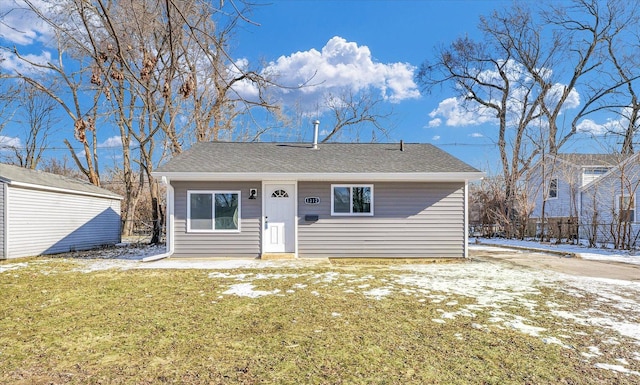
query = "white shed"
{"x": 44, "y": 213}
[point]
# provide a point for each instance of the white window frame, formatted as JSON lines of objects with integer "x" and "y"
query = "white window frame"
{"x": 351, "y": 213}
{"x": 557, "y": 189}
{"x": 213, "y": 211}
{"x": 619, "y": 208}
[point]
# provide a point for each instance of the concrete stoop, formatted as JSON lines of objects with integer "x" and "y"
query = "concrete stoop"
{"x": 277, "y": 256}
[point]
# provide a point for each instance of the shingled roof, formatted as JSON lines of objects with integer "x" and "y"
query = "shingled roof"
{"x": 19, "y": 175}
{"x": 591, "y": 159}
{"x": 301, "y": 158}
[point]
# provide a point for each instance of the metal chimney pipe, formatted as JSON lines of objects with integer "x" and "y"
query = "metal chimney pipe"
{"x": 401, "y": 145}
{"x": 316, "y": 123}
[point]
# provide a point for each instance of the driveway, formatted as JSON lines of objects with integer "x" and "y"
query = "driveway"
{"x": 554, "y": 262}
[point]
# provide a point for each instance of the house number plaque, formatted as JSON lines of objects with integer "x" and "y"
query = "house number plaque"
{"x": 311, "y": 200}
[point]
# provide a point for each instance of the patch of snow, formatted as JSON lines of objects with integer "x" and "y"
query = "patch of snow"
{"x": 616, "y": 368}
{"x": 378, "y": 293}
{"x": 438, "y": 320}
{"x": 517, "y": 324}
{"x": 334, "y": 314}
{"x": 12, "y": 266}
{"x": 246, "y": 290}
{"x": 555, "y": 340}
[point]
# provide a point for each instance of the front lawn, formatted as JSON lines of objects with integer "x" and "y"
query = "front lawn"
{"x": 317, "y": 324}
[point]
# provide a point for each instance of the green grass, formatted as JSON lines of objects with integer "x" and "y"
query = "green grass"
{"x": 175, "y": 326}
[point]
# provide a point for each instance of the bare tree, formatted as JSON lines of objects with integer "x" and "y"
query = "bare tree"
{"x": 353, "y": 112}
{"x": 525, "y": 72}
{"x": 36, "y": 114}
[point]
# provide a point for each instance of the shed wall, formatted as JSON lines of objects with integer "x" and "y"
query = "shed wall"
{"x": 410, "y": 220}
{"x": 245, "y": 243}
{"x": 45, "y": 222}
{"x": 3, "y": 227}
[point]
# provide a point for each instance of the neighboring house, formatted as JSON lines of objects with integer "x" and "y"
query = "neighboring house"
{"x": 555, "y": 183}
{"x": 608, "y": 205}
{"x": 43, "y": 213}
{"x": 586, "y": 190}
{"x": 334, "y": 200}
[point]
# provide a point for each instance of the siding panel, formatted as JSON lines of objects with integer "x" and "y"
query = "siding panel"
{"x": 45, "y": 222}
{"x": 246, "y": 243}
{"x": 410, "y": 220}
{"x": 3, "y": 228}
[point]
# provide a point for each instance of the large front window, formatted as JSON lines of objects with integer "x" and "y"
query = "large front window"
{"x": 352, "y": 200}
{"x": 213, "y": 211}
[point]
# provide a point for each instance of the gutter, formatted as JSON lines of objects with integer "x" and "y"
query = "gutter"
{"x": 170, "y": 247}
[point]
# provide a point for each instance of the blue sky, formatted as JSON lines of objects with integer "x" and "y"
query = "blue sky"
{"x": 354, "y": 44}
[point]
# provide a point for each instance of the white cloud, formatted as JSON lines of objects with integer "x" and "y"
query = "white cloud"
{"x": 339, "y": 66}
{"x": 435, "y": 138}
{"x": 456, "y": 114}
{"x": 435, "y": 122}
{"x": 476, "y": 135}
{"x": 8, "y": 141}
{"x": 19, "y": 24}
{"x": 610, "y": 125}
{"x": 13, "y": 64}
{"x": 114, "y": 141}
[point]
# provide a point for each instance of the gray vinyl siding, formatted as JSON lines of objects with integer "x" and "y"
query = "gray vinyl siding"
{"x": 3, "y": 227}
{"x": 410, "y": 220}
{"x": 45, "y": 222}
{"x": 245, "y": 243}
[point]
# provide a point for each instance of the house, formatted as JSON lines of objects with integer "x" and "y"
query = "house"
{"x": 329, "y": 200}
{"x": 583, "y": 191}
{"x": 43, "y": 213}
{"x": 608, "y": 206}
{"x": 555, "y": 182}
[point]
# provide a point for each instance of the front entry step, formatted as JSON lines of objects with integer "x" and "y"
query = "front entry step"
{"x": 272, "y": 256}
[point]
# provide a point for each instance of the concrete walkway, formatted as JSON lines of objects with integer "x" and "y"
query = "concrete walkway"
{"x": 561, "y": 264}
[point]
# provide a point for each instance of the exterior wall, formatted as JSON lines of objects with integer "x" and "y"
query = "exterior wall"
{"x": 410, "y": 220}
{"x": 245, "y": 243}
{"x": 599, "y": 209}
{"x": 45, "y": 222}
{"x": 569, "y": 180}
{"x": 3, "y": 227}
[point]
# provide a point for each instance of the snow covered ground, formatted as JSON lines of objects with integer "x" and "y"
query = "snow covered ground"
{"x": 494, "y": 288}
{"x": 603, "y": 254}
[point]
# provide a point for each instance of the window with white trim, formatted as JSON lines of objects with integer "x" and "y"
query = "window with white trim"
{"x": 351, "y": 199}
{"x": 209, "y": 211}
{"x": 626, "y": 208}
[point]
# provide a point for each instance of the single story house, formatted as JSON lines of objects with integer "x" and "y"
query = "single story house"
{"x": 44, "y": 213}
{"x": 328, "y": 200}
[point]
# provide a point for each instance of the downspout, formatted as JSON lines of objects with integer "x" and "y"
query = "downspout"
{"x": 169, "y": 247}
{"x": 466, "y": 219}
{"x": 5, "y": 222}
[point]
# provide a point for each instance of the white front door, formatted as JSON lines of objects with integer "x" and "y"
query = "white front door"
{"x": 278, "y": 228}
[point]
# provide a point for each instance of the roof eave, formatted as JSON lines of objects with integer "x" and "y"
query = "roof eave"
{"x": 338, "y": 177}
{"x": 63, "y": 190}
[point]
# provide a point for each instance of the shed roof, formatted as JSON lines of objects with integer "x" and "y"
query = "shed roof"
{"x": 48, "y": 181}
{"x": 301, "y": 158}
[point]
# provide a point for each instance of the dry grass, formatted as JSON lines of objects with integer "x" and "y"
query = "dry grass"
{"x": 175, "y": 326}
